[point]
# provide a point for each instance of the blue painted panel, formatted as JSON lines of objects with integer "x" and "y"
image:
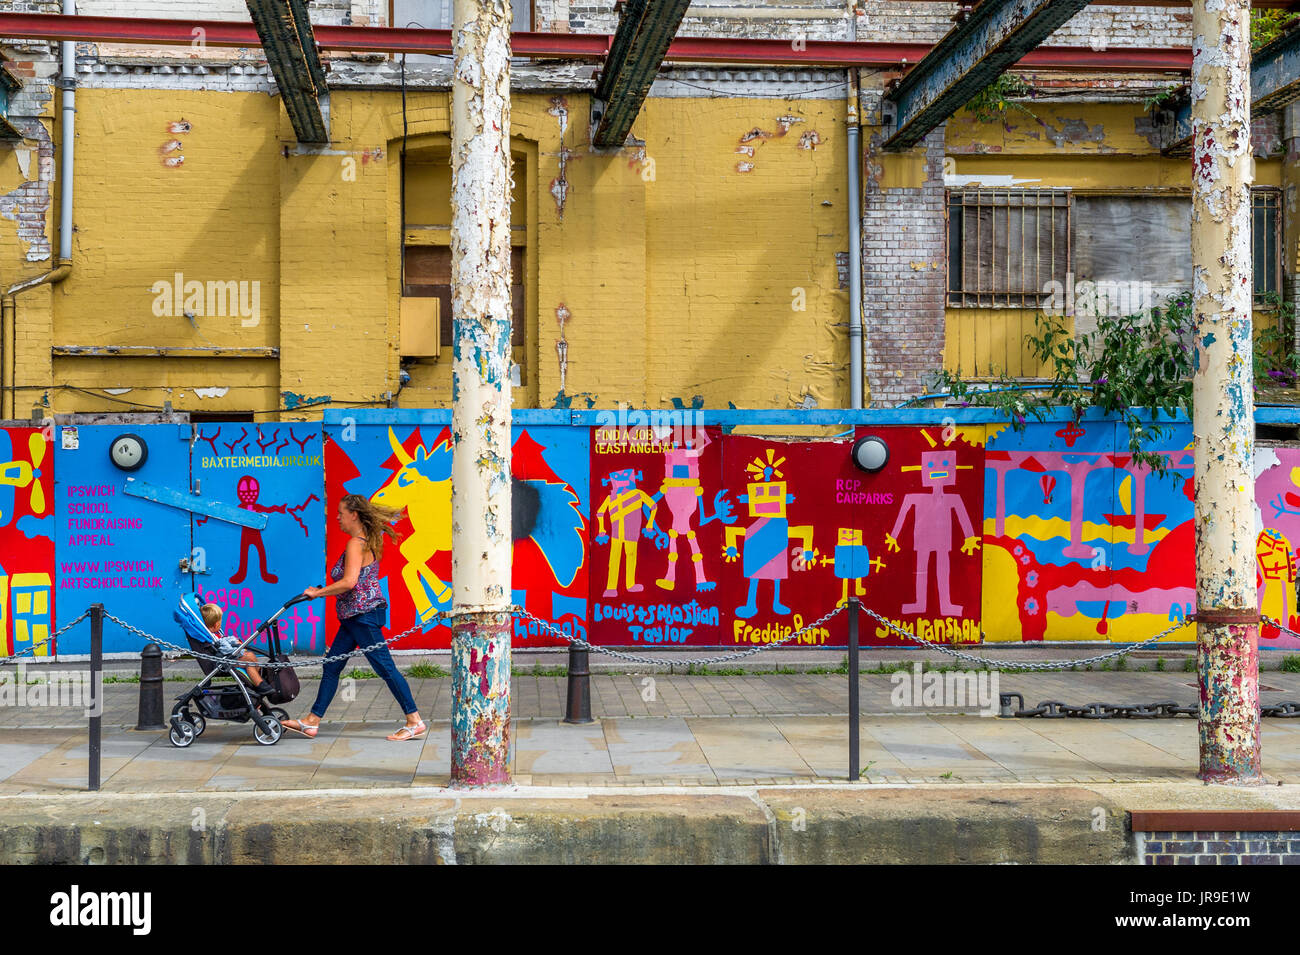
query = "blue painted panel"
{"x": 273, "y": 472}
{"x": 115, "y": 549}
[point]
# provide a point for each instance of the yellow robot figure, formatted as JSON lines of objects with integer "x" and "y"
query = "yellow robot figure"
{"x": 767, "y": 539}
{"x": 624, "y": 505}
{"x": 1277, "y": 567}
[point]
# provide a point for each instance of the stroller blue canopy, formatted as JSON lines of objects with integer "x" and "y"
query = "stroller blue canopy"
{"x": 191, "y": 621}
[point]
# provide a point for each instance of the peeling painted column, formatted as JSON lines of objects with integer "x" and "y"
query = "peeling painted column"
{"x": 1222, "y": 389}
{"x": 480, "y": 474}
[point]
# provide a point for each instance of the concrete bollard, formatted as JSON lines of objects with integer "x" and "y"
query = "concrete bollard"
{"x": 151, "y": 689}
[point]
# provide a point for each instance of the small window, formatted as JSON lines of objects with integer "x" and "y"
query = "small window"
{"x": 428, "y": 274}
{"x": 1266, "y": 243}
{"x": 1005, "y": 246}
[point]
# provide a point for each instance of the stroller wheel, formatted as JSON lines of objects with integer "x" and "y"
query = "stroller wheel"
{"x": 268, "y": 739}
{"x": 200, "y": 724}
{"x": 280, "y": 714}
{"x": 182, "y": 733}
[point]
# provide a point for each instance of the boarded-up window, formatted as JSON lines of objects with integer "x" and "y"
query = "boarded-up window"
{"x": 1130, "y": 253}
{"x": 1006, "y": 246}
{"x": 1140, "y": 247}
{"x": 428, "y": 274}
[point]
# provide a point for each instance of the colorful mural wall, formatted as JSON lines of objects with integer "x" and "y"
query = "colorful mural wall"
{"x": 27, "y": 558}
{"x": 645, "y": 532}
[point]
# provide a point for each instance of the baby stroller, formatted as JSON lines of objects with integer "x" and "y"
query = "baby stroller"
{"x": 239, "y": 701}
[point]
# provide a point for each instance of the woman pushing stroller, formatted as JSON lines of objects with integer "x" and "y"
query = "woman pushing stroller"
{"x": 360, "y": 607}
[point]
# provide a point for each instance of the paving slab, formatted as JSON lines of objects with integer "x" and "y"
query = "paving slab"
{"x": 746, "y": 748}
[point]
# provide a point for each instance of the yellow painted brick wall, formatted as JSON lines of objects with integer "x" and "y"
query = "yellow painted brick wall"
{"x": 670, "y": 272}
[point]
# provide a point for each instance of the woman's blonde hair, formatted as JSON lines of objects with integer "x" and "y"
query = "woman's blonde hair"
{"x": 376, "y": 521}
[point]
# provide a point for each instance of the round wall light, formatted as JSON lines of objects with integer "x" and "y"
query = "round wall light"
{"x": 870, "y": 454}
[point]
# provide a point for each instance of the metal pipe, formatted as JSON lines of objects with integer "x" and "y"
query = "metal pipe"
{"x": 828, "y": 53}
{"x": 480, "y": 411}
{"x": 1223, "y": 407}
{"x": 855, "y": 243}
{"x": 8, "y": 303}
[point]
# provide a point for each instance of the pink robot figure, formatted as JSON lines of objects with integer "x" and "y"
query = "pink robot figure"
{"x": 932, "y": 534}
{"x": 248, "y": 490}
{"x": 682, "y": 491}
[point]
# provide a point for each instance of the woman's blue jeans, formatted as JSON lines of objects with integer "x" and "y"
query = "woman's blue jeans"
{"x": 363, "y": 630}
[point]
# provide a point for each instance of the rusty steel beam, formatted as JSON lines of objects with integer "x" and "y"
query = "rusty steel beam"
{"x": 285, "y": 32}
{"x": 645, "y": 30}
{"x": 970, "y": 57}
{"x": 579, "y": 46}
{"x": 1274, "y": 83}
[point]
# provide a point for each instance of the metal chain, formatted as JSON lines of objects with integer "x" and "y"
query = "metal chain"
{"x": 1279, "y": 624}
{"x": 651, "y": 661}
{"x": 1021, "y": 664}
{"x": 54, "y": 636}
{"x": 263, "y": 664}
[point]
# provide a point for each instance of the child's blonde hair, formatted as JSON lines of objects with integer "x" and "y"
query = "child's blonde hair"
{"x": 211, "y": 615}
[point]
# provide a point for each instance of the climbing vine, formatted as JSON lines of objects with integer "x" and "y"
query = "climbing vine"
{"x": 990, "y": 105}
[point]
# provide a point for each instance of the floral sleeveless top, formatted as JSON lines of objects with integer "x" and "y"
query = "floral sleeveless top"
{"x": 366, "y": 595}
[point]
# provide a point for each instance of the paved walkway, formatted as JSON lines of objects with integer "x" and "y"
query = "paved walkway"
{"x": 777, "y": 729}
{"x": 624, "y": 695}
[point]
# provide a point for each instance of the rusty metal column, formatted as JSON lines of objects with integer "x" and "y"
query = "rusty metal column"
{"x": 480, "y": 475}
{"x": 1224, "y": 405}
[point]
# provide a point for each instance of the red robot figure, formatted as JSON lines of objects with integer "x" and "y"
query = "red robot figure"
{"x": 248, "y": 489}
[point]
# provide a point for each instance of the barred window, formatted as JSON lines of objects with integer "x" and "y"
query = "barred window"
{"x": 1005, "y": 246}
{"x": 1266, "y": 242}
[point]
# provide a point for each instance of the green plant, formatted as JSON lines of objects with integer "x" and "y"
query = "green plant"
{"x": 426, "y": 671}
{"x": 1189, "y": 665}
{"x": 361, "y": 674}
{"x": 1160, "y": 664}
{"x": 865, "y": 768}
{"x": 1128, "y": 363}
{"x": 1276, "y": 365}
{"x": 947, "y": 775}
{"x": 539, "y": 670}
{"x": 1121, "y": 663}
{"x": 1290, "y": 663}
{"x": 1163, "y": 97}
{"x": 990, "y": 105}
{"x": 1267, "y": 25}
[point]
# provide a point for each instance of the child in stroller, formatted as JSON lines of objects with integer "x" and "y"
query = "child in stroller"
{"x": 229, "y": 646}
{"x": 243, "y": 700}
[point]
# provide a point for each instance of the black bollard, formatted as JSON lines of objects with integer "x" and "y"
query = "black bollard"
{"x": 97, "y": 682}
{"x": 151, "y": 689}
{"x": 578, "y": 709}
{"x": 854, "y": 774}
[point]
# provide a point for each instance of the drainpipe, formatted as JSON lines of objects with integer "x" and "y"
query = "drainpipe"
{"x": 9, "y": 304}
{"x": 855, "y": 226}
{"x": 1223, "y": 406}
